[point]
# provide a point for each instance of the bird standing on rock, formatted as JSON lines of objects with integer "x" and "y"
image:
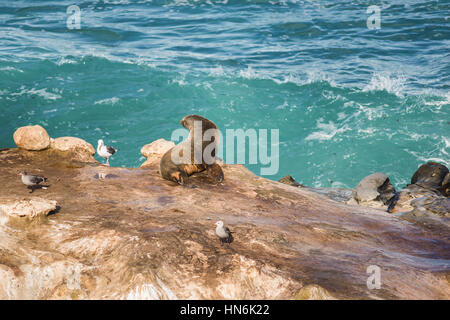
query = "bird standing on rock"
{"x": 224, "y": 234}
{"x": 105, "y": 151}
{"x": 32, "y": 181}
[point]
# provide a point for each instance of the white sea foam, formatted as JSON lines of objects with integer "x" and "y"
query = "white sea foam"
{"x": 39, "y": 92}
{"x": 63, "y": 61}
{"x": 112, "y": 101}
{"x": 438, "y": 154}
{"x": 248, "y": 73}
{"x": 386, "y": 81}
{"x": 327, "y": 131}
{"x": 217, "y": 71}
{"x": 11, "y": 69}
{"x": 50, "y": 111}
{"x": 180, "y": 81}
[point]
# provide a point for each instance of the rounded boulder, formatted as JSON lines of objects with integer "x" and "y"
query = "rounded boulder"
{"x": 80, "y": 150}
{"x": 33, "y": 138}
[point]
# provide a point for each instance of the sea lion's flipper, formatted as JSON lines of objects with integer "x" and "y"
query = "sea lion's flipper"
{"x": 182, "y": 179}
{"x": 215, "y": 171}
{"x": 179, "y": 177}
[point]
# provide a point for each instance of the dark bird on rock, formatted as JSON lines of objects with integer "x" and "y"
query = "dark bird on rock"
{"x": 32, "y": 181}
{"x": 224, "y": 234}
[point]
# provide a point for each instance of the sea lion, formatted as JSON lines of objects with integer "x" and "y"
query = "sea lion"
{"x": 195, "y": 154}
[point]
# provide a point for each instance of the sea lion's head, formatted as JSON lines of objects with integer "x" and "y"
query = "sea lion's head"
{"x": 430, "y": 175}
{"x": 188, "y": 122}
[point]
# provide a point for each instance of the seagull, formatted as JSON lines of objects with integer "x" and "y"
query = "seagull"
{"x": 105, "y": 151}
{"x": 32, "y": 181}
{"x": 224, "y": 234}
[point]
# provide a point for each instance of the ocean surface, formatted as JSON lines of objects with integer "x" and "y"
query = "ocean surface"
{"x": 347, "y": 100}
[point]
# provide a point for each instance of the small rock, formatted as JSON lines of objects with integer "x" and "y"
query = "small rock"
{"x": 290, "y": 181}
{"x": 155, "y": 150}
{"x": 33, "y": 138}
{"x": 28, "y": 208}
{"x": 80, "y": 149}
{"x": 372, "y": 189}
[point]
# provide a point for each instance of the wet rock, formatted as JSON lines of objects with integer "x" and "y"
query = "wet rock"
{"x": 155, "y": 150}
{"x": 27, "y": 208}
{"x": 427, "y": 194}
{"x": 32, "y": 138}
{"x": 437, "y": 205}
{"x": 290, "y": 181}
{"x": 374, "y": 190}
{"x": 78, "y": 149}
{"x": 430, "y": 176}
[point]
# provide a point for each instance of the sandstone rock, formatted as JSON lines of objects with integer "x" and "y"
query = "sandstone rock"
{"x": 139, "y": 237}
{"x": 79, "y": 149}
{"x": 313, "y": 292}
{"x": 33, "y": 138}
{"x": 155, "y": 150}
{"x": 27, "y": 208}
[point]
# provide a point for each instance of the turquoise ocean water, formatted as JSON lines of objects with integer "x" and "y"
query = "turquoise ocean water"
{"x": 348, "y": 100}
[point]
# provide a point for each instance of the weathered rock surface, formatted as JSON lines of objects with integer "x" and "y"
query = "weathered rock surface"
{"x": 155, "y": 150}
{"x": 77, "y": 148}
{"x": 314, "y": 292}
{"x": 27, "y": 208}
{"x": 134, "y": 235}
{"x": 32, "y": 138}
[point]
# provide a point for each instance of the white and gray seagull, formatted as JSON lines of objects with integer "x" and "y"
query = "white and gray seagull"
{"x": 105, "y": 151}
{"x": 224, "y": 234}
{"x": 32, "y": 181}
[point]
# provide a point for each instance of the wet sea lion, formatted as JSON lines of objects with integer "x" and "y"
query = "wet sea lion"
{"x": 195, "y": 154}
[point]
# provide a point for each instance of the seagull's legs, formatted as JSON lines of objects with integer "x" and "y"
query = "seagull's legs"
{"x": 107, "y": 161}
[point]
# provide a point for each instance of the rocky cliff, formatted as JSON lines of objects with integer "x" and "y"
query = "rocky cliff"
{"x": 118, "y": 233}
